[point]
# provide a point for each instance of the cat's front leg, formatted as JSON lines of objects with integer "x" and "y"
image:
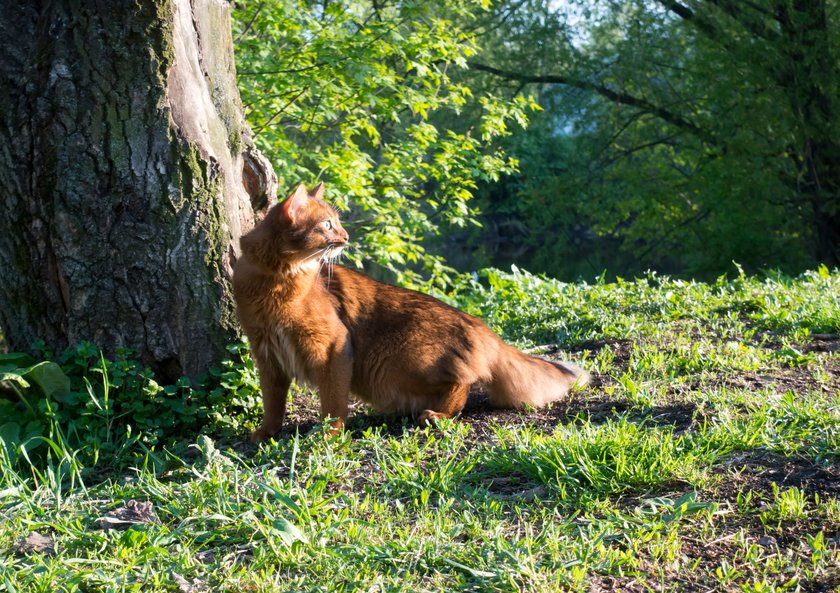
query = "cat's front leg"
{"x": 334, "y": 385}
{"x": 274, "y": 385}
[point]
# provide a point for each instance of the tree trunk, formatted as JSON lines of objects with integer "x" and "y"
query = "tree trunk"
{"x": 810, "y": 79}
{"x": 127, "y": 176}
{"x": 821, "y": 185}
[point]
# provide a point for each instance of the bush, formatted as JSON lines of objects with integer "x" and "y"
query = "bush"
{"x": 110, "y": 409}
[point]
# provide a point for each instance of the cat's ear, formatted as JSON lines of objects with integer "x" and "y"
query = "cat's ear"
{"x": 296, "y": 201}
{"x": 319, "y": 191}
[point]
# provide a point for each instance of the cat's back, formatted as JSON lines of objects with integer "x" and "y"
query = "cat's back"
{"x": 382, "y": 316}
{"x": 358, "y": 296}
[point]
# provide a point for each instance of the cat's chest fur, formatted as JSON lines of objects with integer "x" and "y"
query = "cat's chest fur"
{"x": 288, "y": 325}
{"x": 282, "y": 348}
{"x": 300, "y": 337}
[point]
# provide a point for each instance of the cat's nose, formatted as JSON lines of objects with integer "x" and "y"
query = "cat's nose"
{"x": 345, "y": 235}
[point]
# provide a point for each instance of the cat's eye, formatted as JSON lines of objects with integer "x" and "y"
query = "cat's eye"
{"x": 327, "y": 224}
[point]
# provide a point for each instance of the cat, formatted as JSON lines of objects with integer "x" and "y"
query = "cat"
{"x": 341, "y": 332}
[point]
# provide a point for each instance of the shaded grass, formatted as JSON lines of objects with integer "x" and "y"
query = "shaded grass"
{"x": 704, "y": 457}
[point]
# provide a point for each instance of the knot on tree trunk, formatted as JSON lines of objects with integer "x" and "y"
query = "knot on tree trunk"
{"x": 259, "y": 179}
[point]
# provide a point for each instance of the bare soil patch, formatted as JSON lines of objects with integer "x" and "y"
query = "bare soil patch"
{"x": 758, "y": 470}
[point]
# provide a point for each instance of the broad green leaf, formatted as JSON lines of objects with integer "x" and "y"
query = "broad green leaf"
{"x": 287, "y": 532}
{"x": 15, "y": 360}
{"x": 10, "y": 433}
{"x": 50, "y": 378}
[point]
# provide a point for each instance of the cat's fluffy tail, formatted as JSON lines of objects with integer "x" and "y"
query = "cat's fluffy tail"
{"x": 520, "y": 380}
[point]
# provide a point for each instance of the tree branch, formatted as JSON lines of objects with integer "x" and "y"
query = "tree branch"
{"x": 738, "y": 13}
{"x": 250, "y": 23}
{"x": 688, "y": 15}
{"x": 733, "y": 10}
{"x": 615, "y": 96}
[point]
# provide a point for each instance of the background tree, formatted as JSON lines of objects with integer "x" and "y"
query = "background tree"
{"x": 371, "y": 98}
{"x": 689, "y": 134}
{"x": 682, "y": 134}
{"x": 126, "y": 175}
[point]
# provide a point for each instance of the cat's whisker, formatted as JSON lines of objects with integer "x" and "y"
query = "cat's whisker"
{"x": 327, "y": 260}
{"x": 314, "y": 254}
{"x": 332, "y": 254}
{"x": 323, "y": 261}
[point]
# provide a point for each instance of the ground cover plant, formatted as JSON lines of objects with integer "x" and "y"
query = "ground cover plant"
{"x": 703, "y": 457}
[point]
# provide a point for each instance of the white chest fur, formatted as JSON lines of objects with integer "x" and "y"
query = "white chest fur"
{"x": 283, "y": 350}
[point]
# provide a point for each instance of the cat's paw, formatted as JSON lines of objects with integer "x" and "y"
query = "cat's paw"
{"x": 261, "y": 434}
{"x": 429, "y": 418}
{"x": 335, "y": 428}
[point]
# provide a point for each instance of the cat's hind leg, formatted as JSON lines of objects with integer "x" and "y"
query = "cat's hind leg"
{"x": 447, "y": 405}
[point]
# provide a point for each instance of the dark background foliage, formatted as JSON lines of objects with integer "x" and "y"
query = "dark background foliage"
{"x": 672, "y": 136}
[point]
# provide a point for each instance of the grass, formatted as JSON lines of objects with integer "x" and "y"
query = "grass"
{"x": 703, "y": 457}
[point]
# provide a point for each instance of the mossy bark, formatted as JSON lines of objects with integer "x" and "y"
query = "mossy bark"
{"x": 127, "y": 175}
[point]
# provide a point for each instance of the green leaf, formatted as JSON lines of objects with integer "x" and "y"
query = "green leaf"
{"x": 15, "y": 377}
{"x": 14, "y": 360}
{"x": 50, "y": 378}
{"x": 473, "y": 572}
{"x": 287, "y": 532}
{"x": 10, "y": 433}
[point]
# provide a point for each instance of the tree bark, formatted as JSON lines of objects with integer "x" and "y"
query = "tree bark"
{"x": 127, "y": 175}
{"x": 810, "y": 78}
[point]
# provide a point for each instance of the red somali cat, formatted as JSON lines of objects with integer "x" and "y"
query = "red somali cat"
{"x": 343, "y": 333}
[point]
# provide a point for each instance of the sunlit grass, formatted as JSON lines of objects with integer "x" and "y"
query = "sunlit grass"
{"x": 704, "y": 457}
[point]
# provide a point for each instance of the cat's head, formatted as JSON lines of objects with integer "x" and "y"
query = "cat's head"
{"x": 297, "y": 233}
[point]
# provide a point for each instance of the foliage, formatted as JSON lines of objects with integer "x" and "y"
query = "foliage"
{"x": 675, "y": 134}
{"x": 704, "y": 457}
{"x": 111, "y": 410}
{"x": 354, "y": 93}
